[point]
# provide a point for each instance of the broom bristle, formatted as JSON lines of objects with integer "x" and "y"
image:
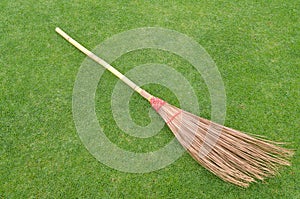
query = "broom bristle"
{"x": 230, "y": 154}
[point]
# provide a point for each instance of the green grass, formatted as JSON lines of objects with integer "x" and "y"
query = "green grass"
{"x": 256, "y": 47}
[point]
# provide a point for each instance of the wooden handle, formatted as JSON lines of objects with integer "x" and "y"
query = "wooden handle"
{"x": 103, "y": 63}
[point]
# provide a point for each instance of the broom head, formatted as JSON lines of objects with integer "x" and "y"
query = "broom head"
{"x": 230, "y": 154}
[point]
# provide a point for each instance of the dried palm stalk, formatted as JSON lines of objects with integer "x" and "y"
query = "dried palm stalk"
{"x": 230, "y": 154}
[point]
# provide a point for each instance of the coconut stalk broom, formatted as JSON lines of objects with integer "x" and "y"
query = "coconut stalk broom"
{"x": 232, "y": 155}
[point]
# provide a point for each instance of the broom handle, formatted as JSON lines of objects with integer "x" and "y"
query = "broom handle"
{"x": 106, "y": 65}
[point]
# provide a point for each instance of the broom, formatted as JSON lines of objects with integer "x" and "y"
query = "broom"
{"x": 232, "y": 155}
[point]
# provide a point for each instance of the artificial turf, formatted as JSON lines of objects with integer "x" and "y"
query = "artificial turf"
{"x": 255, "y": 45}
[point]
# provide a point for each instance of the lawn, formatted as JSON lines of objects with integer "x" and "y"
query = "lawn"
{"x": 256, "y": 47}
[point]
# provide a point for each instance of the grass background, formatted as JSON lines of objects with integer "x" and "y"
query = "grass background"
{"x": 256, "y": 47}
